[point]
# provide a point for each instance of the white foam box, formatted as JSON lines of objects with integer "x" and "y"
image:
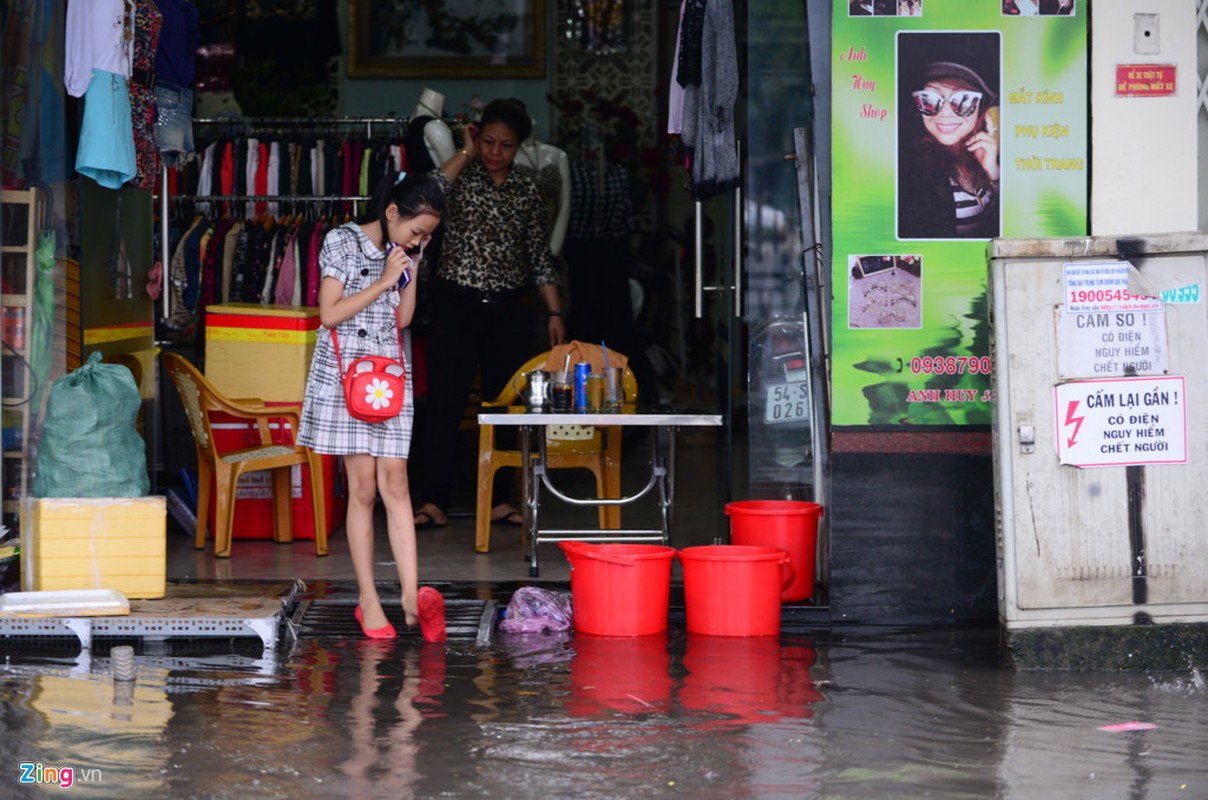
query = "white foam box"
{"x": 117, "y": 543}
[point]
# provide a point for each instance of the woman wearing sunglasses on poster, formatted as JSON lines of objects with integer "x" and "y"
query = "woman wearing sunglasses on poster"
{"x": 948, "y": 187}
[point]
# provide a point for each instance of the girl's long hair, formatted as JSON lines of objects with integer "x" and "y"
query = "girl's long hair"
{"x": 417, "y": 193}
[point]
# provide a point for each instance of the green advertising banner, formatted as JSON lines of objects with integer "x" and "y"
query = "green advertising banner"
{"x": 955, "y": 121}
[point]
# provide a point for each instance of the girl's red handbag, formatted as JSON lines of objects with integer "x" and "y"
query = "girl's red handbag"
{"x": 374, "y": 386}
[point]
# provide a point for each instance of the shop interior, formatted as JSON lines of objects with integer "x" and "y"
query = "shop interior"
{"x": 324, "y": 82}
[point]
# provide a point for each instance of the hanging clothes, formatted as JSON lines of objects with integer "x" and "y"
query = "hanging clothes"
{"x": 257, "y": 250}
{"x": 147, "y": 24}
{"x": 99, "y": 48}
{"x": 174, "y": 70}
{"x": 708, "y": 123}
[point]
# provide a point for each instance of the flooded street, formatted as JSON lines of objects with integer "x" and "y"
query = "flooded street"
{"x": 856, "y": 713}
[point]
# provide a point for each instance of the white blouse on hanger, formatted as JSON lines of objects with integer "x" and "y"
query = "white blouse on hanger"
{"x": 99, "y": 35}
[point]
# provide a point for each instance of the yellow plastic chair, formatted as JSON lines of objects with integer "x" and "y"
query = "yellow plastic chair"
{"x": 599, "y": 452}
{"x": 223, "y": 469}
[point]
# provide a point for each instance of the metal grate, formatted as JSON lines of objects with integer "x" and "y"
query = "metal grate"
{"x": 86, "y": 629}
{"x": 465, "y": 620}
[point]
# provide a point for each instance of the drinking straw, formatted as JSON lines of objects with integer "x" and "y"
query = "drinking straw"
{"x": 566, "y": 363}
{"x": 612, "y": 397}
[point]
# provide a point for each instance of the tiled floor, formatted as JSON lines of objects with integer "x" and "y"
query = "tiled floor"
{"x": 447, "y": 554}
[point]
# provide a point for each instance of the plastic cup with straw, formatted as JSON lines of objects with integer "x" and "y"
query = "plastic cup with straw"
{"x": 608, "y": 387}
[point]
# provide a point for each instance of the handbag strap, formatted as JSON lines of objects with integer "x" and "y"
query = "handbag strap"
{"x": 335, "y": 342}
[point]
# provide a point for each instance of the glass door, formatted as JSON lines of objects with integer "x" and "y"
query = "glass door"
{"x": 780, "y": 409}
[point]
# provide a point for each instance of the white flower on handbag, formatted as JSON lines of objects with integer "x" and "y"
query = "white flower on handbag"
{"x": 378, "y": 394}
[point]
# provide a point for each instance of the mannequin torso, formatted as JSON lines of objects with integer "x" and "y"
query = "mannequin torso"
{"x": 437, "y": 136}
{"x": 550, "y": 167}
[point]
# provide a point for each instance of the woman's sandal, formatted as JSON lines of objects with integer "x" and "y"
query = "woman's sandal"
{"x": 431, "y": 614}
{"x": 385, "y": 632}
{"x": 513, "y": 517}
{"x": 425, "y": 521}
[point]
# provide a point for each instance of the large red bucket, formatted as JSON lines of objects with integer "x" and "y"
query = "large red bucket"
{"x": 791, "y": 525}
{"x": 734, "y": 590}
{"x": 619, "y": 589}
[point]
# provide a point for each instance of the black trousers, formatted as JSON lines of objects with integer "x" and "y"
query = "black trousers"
{"x": 465, "y": 336}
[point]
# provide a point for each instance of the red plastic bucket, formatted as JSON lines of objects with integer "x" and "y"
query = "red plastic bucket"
{"x": 734, "y": 590}
{"x": 619, "y": 589}
{"x": 791, "y": 525}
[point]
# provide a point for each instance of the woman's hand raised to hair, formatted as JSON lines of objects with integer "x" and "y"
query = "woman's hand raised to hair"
{"x": 984, "y": 148}
{"x": 470, "y": 143}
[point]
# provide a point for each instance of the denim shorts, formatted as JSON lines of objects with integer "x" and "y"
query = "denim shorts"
{"x": 174, "y": 125}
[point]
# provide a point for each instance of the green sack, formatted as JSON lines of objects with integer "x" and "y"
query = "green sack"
{"x": 90, "y": 446}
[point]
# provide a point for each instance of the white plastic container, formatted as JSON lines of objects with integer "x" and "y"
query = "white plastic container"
{"x": 65, "y": 603}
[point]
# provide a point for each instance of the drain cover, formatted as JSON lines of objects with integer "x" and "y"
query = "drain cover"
{"x": 472, "y": 620}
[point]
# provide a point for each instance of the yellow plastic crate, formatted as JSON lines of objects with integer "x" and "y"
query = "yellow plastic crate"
{"x": 95, "y": 543}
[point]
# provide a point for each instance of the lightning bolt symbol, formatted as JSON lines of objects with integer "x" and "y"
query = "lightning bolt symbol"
{"x": 1070, "y": 419}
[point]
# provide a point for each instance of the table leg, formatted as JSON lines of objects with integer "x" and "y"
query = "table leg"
{"x": 526, "y": 495}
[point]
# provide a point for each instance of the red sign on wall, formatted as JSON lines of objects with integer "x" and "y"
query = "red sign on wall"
{"x": 1145, "y": 80}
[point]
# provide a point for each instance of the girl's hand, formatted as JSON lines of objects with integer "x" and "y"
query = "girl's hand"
{"x": 984, "y": 147}
{"x": 397, "y": 260}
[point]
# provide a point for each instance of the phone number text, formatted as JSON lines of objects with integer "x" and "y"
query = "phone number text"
{"x": 951, "y": 365}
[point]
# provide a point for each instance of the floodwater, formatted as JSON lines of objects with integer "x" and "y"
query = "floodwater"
{"x": 854, "y": 713}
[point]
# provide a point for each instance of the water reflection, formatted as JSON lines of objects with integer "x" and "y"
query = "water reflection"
{"x": 859, "y": 715}
{"x": 394, "y": 694}
{"x": 625, "y": 675}
{"x": 749, "y": 679}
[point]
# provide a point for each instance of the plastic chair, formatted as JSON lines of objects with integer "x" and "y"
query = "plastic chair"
{"x": 599, "y": 452}
{"x": 200, "y": 399}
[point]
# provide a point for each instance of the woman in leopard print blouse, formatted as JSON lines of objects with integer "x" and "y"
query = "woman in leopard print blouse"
{"x": 495, "y": 251}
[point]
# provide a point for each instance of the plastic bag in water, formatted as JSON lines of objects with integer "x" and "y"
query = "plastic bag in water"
{"x": 536, "y": 610}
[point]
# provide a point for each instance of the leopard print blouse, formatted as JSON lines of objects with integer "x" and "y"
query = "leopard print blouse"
{"x": 494, "y": 236}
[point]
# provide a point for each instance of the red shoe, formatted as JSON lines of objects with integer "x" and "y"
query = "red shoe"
{"x": 431, "y": 614}
{"x": 385, "y": 632}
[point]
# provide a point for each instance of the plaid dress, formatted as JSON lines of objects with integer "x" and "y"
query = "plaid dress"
{"x": 326, "y": 427}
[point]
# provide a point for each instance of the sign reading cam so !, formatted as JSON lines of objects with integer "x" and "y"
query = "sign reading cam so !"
{"x": 1121, "y": 422}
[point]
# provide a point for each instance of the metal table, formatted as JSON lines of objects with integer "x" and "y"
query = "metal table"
{"x": 664, "y": 421}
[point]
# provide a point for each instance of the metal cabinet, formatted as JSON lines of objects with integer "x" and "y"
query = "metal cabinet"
{"x": 1100, "y": 445}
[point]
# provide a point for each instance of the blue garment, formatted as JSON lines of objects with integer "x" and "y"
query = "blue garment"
{"x": 193, "y": 266}
{"x": 106, "y": 150}
{"x": 174, "y": 123}
{"x": 178, "y": 41}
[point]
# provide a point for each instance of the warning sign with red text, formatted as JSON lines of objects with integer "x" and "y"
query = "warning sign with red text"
{"x": 1146, "y": 80}
{"x": 1122, "y": 422}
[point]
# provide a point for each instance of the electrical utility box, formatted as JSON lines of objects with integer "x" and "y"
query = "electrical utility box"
{"x": 1100, "y": 350}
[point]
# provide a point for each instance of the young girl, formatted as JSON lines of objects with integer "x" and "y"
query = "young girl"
{"x": 363, "y": 265}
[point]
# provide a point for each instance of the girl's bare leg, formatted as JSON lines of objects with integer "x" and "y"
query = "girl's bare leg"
{"x": 400, "y": 524}
{"x": 358, "y": 524}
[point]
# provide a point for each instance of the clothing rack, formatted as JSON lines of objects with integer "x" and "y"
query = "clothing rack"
{"x": 252, "y": 126}
{"x": 273, "y": 198}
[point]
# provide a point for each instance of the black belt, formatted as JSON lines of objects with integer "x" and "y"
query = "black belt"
{"x": 463, "y": 292}
{"x": 143, "y": 77}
